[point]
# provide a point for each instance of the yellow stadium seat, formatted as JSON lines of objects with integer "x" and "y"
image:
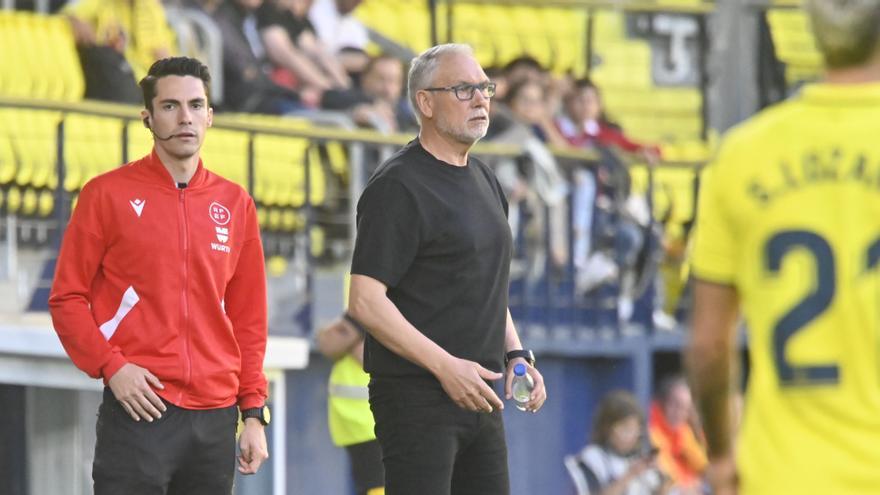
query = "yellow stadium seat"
{"x": 795, "y": 44}
{"x": 140, "y": 141}
{"x": 13, "y": 200}
{"x": 274, "y": 219}
{"x": 262, "y": 216}
{"x": 8, "y": 160}
{"x": 289, "y": 220}
{"x": 338, "y": 159}
{"x": 29, "y": 201}
{"x": 46, "y": 203}
{"x": 317, "y": 240}
{"x": 280, "y": 164}
{"x": 33, "y": 134}
{"x": 93, "y": 145}
{"x": 225, "y": 153}
{"x": 65, "y": 61}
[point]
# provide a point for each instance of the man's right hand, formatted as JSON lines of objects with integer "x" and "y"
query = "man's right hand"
{"x": 132, "y": 387}
{"x": 463, "y": 381}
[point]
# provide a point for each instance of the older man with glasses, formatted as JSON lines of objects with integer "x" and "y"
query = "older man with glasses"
{"x": 429, "y": 282}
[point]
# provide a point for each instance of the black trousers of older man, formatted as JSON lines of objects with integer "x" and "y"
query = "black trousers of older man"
{"x": 430, "y": 446}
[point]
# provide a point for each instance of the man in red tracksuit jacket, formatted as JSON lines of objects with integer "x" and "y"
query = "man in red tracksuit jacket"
{"x": 160, "y": 290}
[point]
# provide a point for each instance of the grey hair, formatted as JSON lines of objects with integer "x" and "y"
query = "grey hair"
{"x": 847, "y": 31}
{"x": 423, "y": 67}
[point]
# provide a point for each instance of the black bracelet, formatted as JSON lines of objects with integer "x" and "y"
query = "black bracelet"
{"x": 356, "y": 324}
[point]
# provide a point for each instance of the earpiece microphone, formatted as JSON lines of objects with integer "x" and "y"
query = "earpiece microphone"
{"x": 160, "y": 138}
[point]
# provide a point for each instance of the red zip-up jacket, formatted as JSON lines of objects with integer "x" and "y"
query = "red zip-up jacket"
{"x": 170, "y": 279}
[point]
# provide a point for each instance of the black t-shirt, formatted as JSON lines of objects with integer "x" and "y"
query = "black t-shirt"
{"x": 437, "y": 236}
{"x": 269, "y": 14}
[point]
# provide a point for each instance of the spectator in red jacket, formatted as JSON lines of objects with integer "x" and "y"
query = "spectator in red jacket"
{"x": 585, "y": 123}
{"x": 160, "y": 291}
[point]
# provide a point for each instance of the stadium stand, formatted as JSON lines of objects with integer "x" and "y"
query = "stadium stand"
{"x": 304, "y": 176}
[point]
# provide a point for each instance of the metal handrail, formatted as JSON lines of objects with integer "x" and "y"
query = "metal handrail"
{"x": 707, "y": 7}
{"x": 233, "y": 122}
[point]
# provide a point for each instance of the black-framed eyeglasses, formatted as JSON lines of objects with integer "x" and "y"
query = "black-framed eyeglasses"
{"x": 465, "y": 92}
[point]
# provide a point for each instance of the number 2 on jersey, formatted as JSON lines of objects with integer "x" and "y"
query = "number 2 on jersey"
{"x": 809, "y": 308}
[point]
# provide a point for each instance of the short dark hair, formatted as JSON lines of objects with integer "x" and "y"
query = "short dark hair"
{"x": 617, "y": 405}
{"x": 524, "y": 60}
{"x": 517, "y": 87}
{"x": 667, "y": 384}
{"x": 582, "y": 84}
{"x": 374, "y": 61}
{"x": 173, "y": 66}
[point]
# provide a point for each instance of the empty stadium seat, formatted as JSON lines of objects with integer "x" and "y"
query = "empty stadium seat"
{"x": 92, "y": 146}
{"x": 795, "y": 45}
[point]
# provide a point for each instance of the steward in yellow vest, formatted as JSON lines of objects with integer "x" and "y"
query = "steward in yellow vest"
{"x": 348, "y": 409}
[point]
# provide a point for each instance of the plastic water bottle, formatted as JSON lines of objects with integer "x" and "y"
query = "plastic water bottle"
{"x": 521, "y": 387}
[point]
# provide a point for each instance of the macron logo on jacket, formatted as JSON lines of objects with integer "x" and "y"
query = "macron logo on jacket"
{"x": 138, "y": 205}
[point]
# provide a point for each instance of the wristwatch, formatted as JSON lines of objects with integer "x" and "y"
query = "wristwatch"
{"x": 261, "y": 413}
{"x": 526, "y": 354}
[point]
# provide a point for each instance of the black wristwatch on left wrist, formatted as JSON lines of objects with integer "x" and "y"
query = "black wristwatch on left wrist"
{"x": 259, "y": 413}
{"x": 526, "y": 354}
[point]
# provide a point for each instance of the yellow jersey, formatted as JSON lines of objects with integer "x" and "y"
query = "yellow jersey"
{"x": 789, "y": 215}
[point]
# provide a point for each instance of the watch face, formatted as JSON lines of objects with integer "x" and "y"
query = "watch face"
{"x": 261, "y": 413}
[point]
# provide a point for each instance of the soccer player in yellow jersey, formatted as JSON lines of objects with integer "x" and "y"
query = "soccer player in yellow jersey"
{"x": 789, "y": 231}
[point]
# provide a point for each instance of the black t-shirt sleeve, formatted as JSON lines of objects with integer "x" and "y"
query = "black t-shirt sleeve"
{"x": 496, "y": 185}
{"x": 500, "y": 191}
{"x": 268, "y": 15}
{"x": 388, "y": 229}
{"x": 307, "y": 26}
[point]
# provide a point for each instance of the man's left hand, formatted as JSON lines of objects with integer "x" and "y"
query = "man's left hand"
{"x": 721, "y": 474}
{"x": 252, "y": 444}
{"x": 539, "y": 392}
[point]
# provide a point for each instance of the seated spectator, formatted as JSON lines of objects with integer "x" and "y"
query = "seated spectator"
{"x": 614, "y": 463}
{"x": 378, "y": 101}
{"x": 118, "y": 40}
{"x": 534, "y": 182}
{"x": 675, "y": 430}
{"x": 585, "y": 123}
{"x": 341, "y": 32}
{"x": 518, "y": 70}
{"x": 300, "y": 59}
{"x": 525, "y": 68}
{"x": 247, "y": 86}
{"x": 622, "y": 218}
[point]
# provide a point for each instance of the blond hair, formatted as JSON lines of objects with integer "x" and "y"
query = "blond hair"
{"x": 847, "y": 31}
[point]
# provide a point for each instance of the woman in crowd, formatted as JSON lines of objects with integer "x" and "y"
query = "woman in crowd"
{"x": 615, "y": 463}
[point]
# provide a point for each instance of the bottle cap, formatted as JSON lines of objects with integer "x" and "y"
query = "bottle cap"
{"x": 519, "y": 369}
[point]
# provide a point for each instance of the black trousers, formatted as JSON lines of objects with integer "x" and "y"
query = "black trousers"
{"x": 430, "y": 446}
{"x": 366, "y": 466}
{"x": 185, "y": 452}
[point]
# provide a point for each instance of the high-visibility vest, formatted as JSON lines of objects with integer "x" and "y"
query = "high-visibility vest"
{"x": 348, "y": 407}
